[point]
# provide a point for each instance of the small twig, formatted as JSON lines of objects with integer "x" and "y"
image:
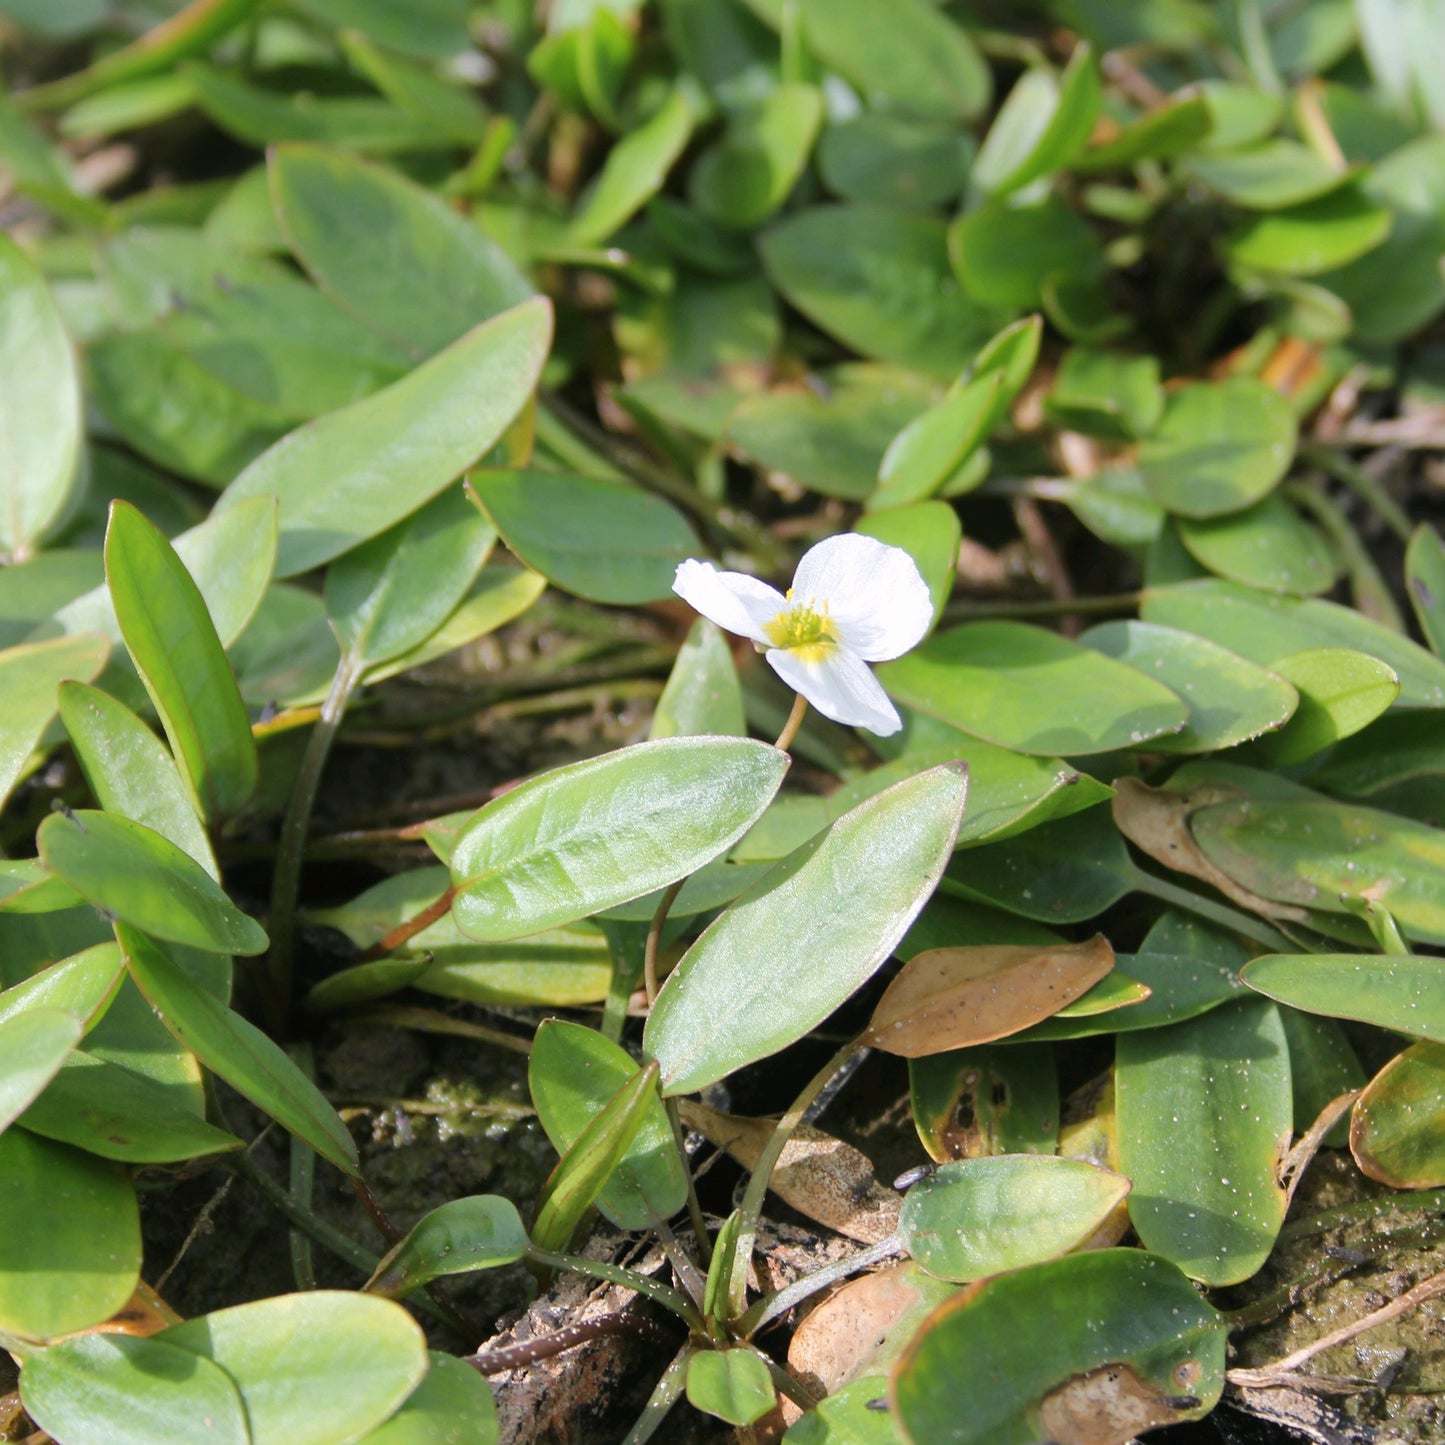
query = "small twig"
{"x": 203, "y": 1225}
{"x": 404, "y": 932}
{"x": 1298, "y": 1158}
{"x": 1279, "y": 1372}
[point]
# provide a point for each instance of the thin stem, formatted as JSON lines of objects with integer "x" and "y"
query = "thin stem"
{"x": 1233, "y": 919}
{"x": 654, "y": 939}
{"x": 1358, "y": 480}
{"x": 302, "y": 1182}
{"x": 659, "y": 1293}
{"x": 769, "y": 1306}
{"x": 1372, "y": 595}
{"x": 1366, "y": 1211}
{"x": 694, "y": 1204}
{"x": 752, "y": 1206}
{"x": 286, "y": 882}
{"x": 665, "y": 1395}
{"x": 794, "y": 722}
{"x": 404, "y": 932}
{"x": 1043, "y": 607}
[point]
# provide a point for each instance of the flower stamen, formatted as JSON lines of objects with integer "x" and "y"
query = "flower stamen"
{"x": 804, "y": 629}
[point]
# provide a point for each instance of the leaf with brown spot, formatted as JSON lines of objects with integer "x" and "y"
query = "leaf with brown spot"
{"x": 820, "y": 1176}
{"x": 1157, "y": 821}
{"x": 950, "y": 998}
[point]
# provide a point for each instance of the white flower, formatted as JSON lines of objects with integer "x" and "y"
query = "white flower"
{"x": 854, "y": 600}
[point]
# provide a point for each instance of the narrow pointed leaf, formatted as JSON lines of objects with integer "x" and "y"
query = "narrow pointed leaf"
{"x": 173, "y": 643}
{"x": 352, "y": 473}
{"x": 33, "y": 1046}
{"x": 29, "y": 677}
{"x": 82, "y": 984}
{"x": 703, "y": 694}
{"x": 1403, "y": 992}
{"x": 238, "y": 1052}
{"x": 143, "y": 879}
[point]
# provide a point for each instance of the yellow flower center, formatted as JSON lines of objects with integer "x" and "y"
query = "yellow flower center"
{"x": 804, "y": 630}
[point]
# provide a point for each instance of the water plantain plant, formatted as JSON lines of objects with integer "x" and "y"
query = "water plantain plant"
{"x": 1040, "y": 404}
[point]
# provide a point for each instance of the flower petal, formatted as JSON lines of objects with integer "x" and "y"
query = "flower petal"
{"x": 878, "y": 601}
{"x": 840, "y": 687}
{"x": 736, "y": 602}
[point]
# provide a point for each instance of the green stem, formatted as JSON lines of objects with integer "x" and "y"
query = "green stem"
{"x": 1369, "y": 490}
{"x": 794, "y": 722}
{"x": 769, "y": 1306}
{"x": 1233, "y": 919}
{"x": 302, "y": 1182}
{"x": 291, "y": 849}
{"x": 694, "y": 1204}
{"x": 654, "y": 939}
{"x": 750, "y": 1211}
{"x": 663, "y": 1294}
{"x": 665, "y": 1395}
{"x": 1372, "y": 595}
{"x": 1365, "y": 1211}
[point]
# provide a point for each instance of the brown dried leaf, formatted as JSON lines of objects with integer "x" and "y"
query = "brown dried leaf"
{"x": 1157, "y": 821}
{"x": 952, "y": 998}
{"x": 1108, "y": 1406}
{"x": 820, "y": 1176}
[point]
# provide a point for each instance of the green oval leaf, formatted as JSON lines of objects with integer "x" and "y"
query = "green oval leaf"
{"x": 1032, "y": 690}
{"x": 1340, "y": 692}
{"x": 605, "y": 541}
{"x": 880, "y": 282}
{"x": 810, "y": 932}
{"x": 312, "y": 1369}
{"x": 1219, "y": 446}
{"x": 389, "y": 595}
{"x": 129, "y": 770}
{"x": 237, "y": 1051}
{"x": 482, "y": 1231}
{"x": 39, "y": 406}
{"x": 1229, "y": 700}
{"x": 173, "y": 643}
{"x": 452, "y": 1406}
{"x": 1309, "y": 239}
{"x": 1393, "y": 991}
{"x": 1205, "y": 1112}
{"x": 586, "y": 837}
{"x": 110, "y": 1111}
{"x": 733, "y": 1385}
{"x": 145, "y": 880}
{"x": 356, "y": 226}
{"x": 977, "y": 1217}
{"x": 114, "y": 1389}
{"x": 1110, "y": 1342}
{"x": 34, "y": 1044}
{"x": 1268, "y": 545}
{"x": 29, "y": 677}
{"x": 1003, "y": 254}
{"x": 572, "y": 1072}
{"x": 354, "y": 472}
{"x": 63, "y": 1269}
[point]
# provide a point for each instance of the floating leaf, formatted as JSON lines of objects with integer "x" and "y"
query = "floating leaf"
{"x": 1395, "y": 1132}
{"x": 1218, "y": 447}
{"x": 39, "y": 407}
{"x": 1112, "y": 1343}
{"x": 238, "y": 1052}
{"x": 1205, "y": 1111}
{"x": 801, "y": 940}
{"x": 479, "y": 1232}
{"x": 170, "y": 637}
{"x": 977, "y": 1217}
{"x": 357, "y": 471}
{"x": 951, "y": 998}
{"x": 63, "y": 1269}
{"x": 605, "y": 541}
{"x": 1032, "y": 690}
{"x": 553, "y": 850}
{"x": 572, "y": 1072}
